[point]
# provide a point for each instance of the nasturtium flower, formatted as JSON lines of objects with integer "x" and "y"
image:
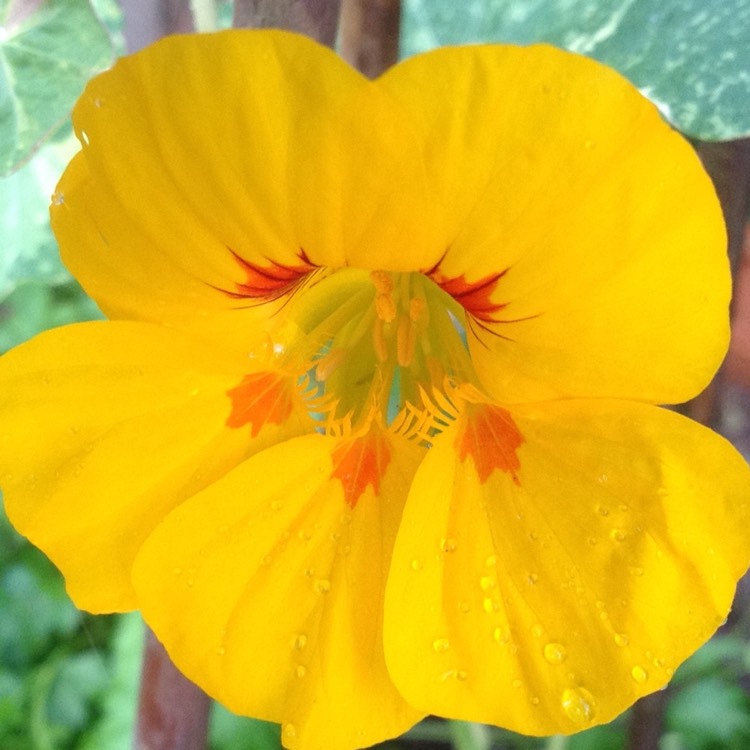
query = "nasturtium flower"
{"x": 372, "y": 429}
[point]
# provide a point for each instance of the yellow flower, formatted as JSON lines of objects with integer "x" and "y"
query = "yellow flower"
{"x": 371, "y": 432}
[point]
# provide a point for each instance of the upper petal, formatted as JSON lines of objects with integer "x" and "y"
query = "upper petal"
{"x": 104, "y": 428}
{"x": 267, "y": 591}
{"x": 551, "y": 596}
{"x": 595, "y": 221}
{"x": 208, "y": 157}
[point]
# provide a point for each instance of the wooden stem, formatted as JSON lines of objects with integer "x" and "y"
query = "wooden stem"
{"x": 172, "y": 711}
{"x": 369, "y": 34}
{"x": 315, "y": 18}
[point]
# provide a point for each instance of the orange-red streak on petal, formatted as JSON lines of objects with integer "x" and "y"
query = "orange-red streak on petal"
{"x": 475, "y": 297}
{"x": 490, "y": 436}
{"x": 272, "y": 281}
{"x": 260, "y": 398}
{"x": 359, "y": 462}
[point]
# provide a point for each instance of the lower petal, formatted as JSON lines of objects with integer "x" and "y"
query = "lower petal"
{"x": 104, "y": 428}
{"x": 550, "y": 598}
{"x": 267, "y": 591}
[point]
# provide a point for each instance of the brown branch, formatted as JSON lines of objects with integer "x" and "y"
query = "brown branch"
{"x": 172, "y": 711}
{"x": 145, "y": 21}
{"x": 369, "y": 34}
{"x": 315, "y": 18}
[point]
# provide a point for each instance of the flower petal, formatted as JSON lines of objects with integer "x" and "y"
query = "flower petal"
{"x": 588, "y": 219}
{"x": 267, "y": 587}
{"x": 213, "y": 165}
{"x": 550, "y": 598}
{"x": 104, "y": 427}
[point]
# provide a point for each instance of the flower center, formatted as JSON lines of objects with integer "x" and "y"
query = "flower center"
{"x": 376, "y": 343}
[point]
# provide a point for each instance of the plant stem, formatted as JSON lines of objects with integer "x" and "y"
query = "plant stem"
{"x": 369, "y": 34}
{"x": 315, "y": 18}
{"x": 172, "y": 711}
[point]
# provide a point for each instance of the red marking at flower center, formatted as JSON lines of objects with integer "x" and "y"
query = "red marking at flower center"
{"x": 490, "y": 436}
{"x": 260, "y": 398}
{"x": 359, "y": 462}
{"x": 474, "y": 297}
{"x": 270, "y": 282}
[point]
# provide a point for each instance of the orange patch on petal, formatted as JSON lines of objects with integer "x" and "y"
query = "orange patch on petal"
{"x": 267, "y": 283}
{"x": 359, "y": 462}
{"x": 490, "y": 436}
{"x": 260, "y": 398}
{"x": 474, "y": 297}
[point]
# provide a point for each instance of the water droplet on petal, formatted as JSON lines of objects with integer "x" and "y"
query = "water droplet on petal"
{"x": 300, "y": 671}
{"x": 221, "y": 651}
{"x": 555, "y": 653}
{"x": 621, "y": 639}
{"x": 491, "y": 561}
{"x": 441, "y": 644}
{"x": 602, "y": 510}
{"x": 416, "y": 564}
{"x": 500, "y": 636}
{"x": 277, "y": 504}
{"x": 448, "y": 545}
{"x": 464, "y": 607}
{"x": 537, "y": 631}
{"x": 532, "y": 578}
{"x": 534, "y": 700}
{"x": 462, "y": 675}
{"x": 636, "y": 570}
{"x": 58, "y": 198}
{"x": 618, "y": 535}
{"x": 639, "y": 674}
{"x": 299, "y": 641}
{"x": 516, "y": 684}
{"x": 487, "y": 582}
{"x": 288, "y": 732}
{"x": 322, "y": 585}
{"x": 579, "y": 705}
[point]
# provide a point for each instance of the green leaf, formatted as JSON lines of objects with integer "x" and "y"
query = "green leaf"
{"x": 692, "y": 57}
{"x": 228, "y": 731}
{"x": 48, "y": 51}
{"x": 114, "y": 730}
{"x": 711, "y": 714}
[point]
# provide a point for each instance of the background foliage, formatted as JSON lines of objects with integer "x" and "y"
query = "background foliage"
{"x": 68, "y": 680}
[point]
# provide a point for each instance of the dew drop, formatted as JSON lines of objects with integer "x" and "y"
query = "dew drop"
{"x": 636, "y": 570}
{"x": 441, "y": 645}
{"x": 416, "y": 564}
{"x": 58, "y": 199}
{"x": 462, "y": 675}
{"x": 602, "y": 479}
{"x": 579, "y": 705}
{"x": 464, "y": 607}
{"x": 618, "y": 535}
{"x": 532, "y": 578}
{"x": 299, "y": 642}
{"x": 602, "y": 510}
{"x": 490, "y": 605}
{"x": 639, "y": 674}
{"x": 448, "y": 544}
{"x": 221, "y": 651}
{"x": 491, "y": 561}
{"x": 500, "y": 636}
{"x": 300, "y": 671}
{"x": 190, "y": 583}
{"x": 516, "y": 684}
{"x": 322, "y": 585}
{"x": 288, "y": 732}
{"x": 621, "y": 639}
{"x": 537, "y": 631}
{"x": 266, "y": 561}
{"x": 487, "y": 582}
{"x": 592, "y": 540}
{"x": 555, "y": 653}
{"x": 277, "y": 504}
{"x": 534, "y": 700}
